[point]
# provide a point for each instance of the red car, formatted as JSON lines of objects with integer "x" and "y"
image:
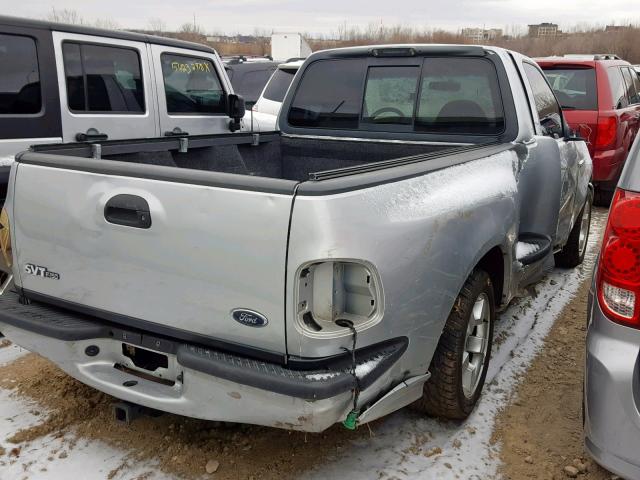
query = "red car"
{"x": 600, "y": 97}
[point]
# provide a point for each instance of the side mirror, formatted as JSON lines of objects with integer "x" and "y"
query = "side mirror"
{"x": 235, "y": 109}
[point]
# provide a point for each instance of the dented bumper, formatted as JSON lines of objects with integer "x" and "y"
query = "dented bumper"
{"x": 193, "y": 380}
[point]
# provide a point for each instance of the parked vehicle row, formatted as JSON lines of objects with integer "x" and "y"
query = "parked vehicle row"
{"x": 600, "y": 97}
{"x": 341, "y": 268}
{"x": 263, "y": 115}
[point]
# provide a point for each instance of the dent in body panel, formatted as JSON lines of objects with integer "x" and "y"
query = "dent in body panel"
{"x": 424, "y": 235}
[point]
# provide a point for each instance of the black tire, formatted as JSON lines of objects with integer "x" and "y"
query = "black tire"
{"x": 571, "y": 254}
{"x": 443, "y": 395}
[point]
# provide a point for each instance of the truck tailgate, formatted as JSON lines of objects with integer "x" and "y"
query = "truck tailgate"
{"x": 206, "y": 252}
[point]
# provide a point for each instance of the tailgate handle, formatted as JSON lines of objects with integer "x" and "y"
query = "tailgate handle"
{"x": 128, "y": 210}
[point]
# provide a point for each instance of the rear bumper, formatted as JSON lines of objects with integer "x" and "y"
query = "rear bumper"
{"x": 612, "y": 416}
{"x": 198, "y": 382}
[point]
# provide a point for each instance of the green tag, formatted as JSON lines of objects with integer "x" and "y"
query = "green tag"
{"x": 351, "y": 422}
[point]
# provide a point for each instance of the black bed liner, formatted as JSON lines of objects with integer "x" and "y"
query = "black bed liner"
{"x": 312, "y": 384}
{"x": 266, "y": 162}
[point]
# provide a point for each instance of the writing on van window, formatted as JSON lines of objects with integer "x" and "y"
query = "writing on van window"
{"x": 187, "y": 67}
{"x": 191, "y": 86}
{"x": 20, "y": 79}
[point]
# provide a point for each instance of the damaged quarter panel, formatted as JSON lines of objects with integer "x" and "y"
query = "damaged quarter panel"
{"x": 421, "y": 237}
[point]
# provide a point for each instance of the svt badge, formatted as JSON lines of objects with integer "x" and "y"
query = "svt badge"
{"x": 40, "y": 271}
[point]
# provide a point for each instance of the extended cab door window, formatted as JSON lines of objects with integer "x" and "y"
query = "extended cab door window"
{"x": 105, "y": 88}
{"x": 28, "y": 102}
{"x": 545, "y": 101}
{"x": 192, "y": 92}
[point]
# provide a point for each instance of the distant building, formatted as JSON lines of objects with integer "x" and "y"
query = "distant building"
{"x": 617, "y": 28}
{"x": 479, "y": 35}
{"x": 219, "y": 39}
{"x": 544, "y": 30}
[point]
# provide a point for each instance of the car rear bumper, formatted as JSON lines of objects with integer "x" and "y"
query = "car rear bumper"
{"x": 612, "y": 387}
{"x": 197, "y": 381}
{"x": 607, "y": 165}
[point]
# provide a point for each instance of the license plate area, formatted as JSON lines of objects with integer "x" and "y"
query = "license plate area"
{"x": 148, "y": 364}
{"x": 145, "y": 359}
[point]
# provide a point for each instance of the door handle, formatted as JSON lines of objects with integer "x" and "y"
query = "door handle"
{"x": 128, "y": 210}
{"x": 176, "y": 132}
{"x": 91, "y": 135}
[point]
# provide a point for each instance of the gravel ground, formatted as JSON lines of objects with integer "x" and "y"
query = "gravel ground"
{"x": 541, "y": 431}
{"x": 52, "y": 427}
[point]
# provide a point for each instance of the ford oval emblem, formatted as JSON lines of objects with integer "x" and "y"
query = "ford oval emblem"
{"x": 249, "y": 317}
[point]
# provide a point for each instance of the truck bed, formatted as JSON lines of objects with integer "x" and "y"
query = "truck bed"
{"x": 272, "y": 157}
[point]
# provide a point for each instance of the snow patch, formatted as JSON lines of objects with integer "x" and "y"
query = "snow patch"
{"x": 524, "y": 249}
{"x": 322, "y": 376}
{"x": 6, "y": 161}
{"x": 365, "y": 368}
{"x": 454, "y": 189}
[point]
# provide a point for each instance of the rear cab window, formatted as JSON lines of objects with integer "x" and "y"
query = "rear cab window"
{"x": 103, "y": 79}
{"x": 574, "y": 87}
{"x": 192, "y": 86}
{"x": 448, "y": 95}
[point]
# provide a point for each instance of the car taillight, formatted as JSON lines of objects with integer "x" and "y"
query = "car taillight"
{"x": 607, "y": 131}
{"x": 618, "y": 277}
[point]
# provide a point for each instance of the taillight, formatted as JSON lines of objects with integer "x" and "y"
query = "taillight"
{"x": 618, "y": 277}
{"x": 606, "y": 132}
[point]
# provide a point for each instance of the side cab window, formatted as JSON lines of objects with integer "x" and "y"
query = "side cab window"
{"x": 545, "y": 101}
{"x": 631, "y": 82}
{"x": 191, "y": 86}
{"x": 29, "y": 104}
{"x": 106, "y": 87}
{"x": 618, "y": 88}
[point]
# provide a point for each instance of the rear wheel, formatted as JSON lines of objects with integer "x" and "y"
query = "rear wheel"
{"x": 459, "y": 364}
{"x": 572, "y": 254}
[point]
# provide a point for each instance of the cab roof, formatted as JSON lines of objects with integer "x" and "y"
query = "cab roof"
{"x": 99, "y": 32}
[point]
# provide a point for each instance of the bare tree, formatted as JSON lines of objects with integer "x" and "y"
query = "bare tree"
{"x": 65, "y": 16}
{"x": 157, "y": 25}
{"x": 107, "y": 23}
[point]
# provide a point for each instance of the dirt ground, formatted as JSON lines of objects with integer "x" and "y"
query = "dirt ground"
{"x": 541, "y": 431}
{"x": 180, "y": 446}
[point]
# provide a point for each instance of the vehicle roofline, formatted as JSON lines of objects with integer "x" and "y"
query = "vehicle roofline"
{"x": 420, "y": 49}
{"x": 100, "y": 32}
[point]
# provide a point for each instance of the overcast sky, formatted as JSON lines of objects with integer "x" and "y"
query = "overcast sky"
{"x": 323, "y": 16}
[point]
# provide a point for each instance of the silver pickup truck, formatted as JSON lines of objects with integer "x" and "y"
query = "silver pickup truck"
{"x": 342, "y": 268}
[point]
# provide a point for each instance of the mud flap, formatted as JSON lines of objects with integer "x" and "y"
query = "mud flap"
{"x": 401, "y": 395}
